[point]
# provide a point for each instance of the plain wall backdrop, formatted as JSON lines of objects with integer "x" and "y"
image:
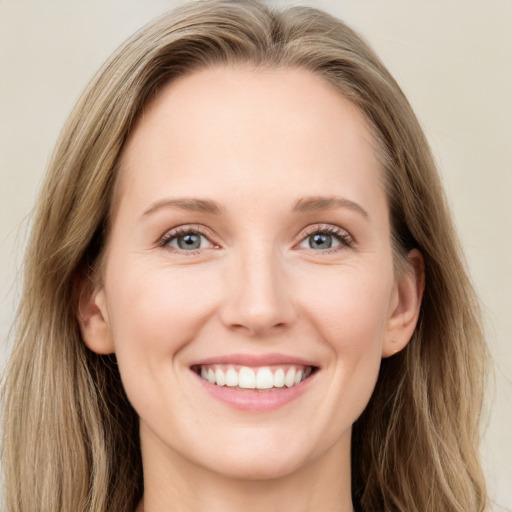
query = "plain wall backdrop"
{"x": 453, "y": 59}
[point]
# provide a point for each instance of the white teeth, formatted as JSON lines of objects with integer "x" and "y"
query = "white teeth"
{"x": 289, "y": 380}
{"x": 246, "y": 378}
{"x": 264, "y": 379}
{"x": 254, "y": 378}
{"x": 219, "y": 377}
{"x": 279, "y": 378}
{"x": 231, "y": 377}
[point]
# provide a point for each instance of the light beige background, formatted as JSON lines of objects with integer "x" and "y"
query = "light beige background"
{"x": 452, "y": 58}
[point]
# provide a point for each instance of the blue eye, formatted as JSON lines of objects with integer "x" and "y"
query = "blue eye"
{"x": 187, "y": 240}
{"x": 324, "y": 238}
{"x": 322, "y": 241}
{"x": 320, "y": 238}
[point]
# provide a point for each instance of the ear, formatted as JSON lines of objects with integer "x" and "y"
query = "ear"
{"x": 405, "y": 305}
{"x": 92, "y": 315}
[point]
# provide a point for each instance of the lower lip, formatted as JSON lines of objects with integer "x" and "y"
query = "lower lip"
{"x": 255, "y": 400}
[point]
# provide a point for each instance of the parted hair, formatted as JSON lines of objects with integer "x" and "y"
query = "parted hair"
{"x": 70, "y": 436}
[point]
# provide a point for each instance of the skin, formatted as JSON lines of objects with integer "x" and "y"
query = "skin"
{"x": 256, "y": 142}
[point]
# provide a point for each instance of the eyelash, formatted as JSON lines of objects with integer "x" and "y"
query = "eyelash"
{"x": 345, "y": 239}
{"x": 184, "y": 230}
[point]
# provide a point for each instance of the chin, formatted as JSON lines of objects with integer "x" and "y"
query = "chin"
{"x": 251, "y": 453}
{"x": 254, "y": 467}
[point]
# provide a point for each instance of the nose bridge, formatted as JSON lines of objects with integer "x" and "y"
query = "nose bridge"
{"x": 257, "y": 295}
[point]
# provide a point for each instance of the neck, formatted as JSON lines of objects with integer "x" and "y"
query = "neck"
{"x": 172, "y": 483}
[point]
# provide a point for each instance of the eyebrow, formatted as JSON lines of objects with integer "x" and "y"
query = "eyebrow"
{"x": 185, "y": 203}
{"x": 318, "y": 203}
{"x": 304, "y": 205}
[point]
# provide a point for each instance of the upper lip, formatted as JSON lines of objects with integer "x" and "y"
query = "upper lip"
{"x": 255, "y": 360}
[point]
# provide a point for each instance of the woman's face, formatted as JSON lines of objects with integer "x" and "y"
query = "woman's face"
{"x": 248, "y": 289}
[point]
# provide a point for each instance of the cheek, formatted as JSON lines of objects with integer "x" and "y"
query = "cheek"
{"x": 153, "y": 315}
{"x": 157, "y": 310}
{"x": 350, "y": 307}
{"x": 345, "y": 309}
{"x": 351, "y": 316}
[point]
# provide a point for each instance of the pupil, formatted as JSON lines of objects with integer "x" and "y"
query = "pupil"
{"x": 190, "y": 241}
{"x": 320, "y": 241}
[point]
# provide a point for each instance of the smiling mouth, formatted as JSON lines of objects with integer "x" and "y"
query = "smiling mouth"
{"x": 265, "y": 378}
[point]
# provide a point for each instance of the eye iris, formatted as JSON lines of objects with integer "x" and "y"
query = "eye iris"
{"x": 320, "y": 241}
{"x": 189, "y": 241}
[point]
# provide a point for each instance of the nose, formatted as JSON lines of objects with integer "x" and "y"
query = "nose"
{"x": 258, "y": 295}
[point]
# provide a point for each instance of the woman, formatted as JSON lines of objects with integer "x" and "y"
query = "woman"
{"x": 243, "y": 288}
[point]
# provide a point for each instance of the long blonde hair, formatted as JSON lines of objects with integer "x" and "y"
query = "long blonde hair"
{"x": 70, "y": 436}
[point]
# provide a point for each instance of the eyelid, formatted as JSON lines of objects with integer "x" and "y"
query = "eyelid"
{"x": 175, "y": 232}
{"x": 345, "y": 238}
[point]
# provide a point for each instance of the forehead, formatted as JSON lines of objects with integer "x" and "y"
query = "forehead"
{"x": 251, "y": 127}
